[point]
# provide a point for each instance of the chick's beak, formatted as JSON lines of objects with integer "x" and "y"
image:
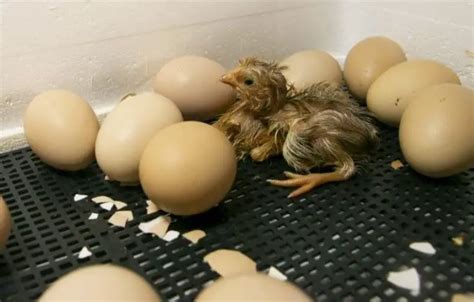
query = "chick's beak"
{"x": 227, "y": 79}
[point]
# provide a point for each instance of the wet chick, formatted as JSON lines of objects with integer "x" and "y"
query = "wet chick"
{"x": 318, "y": 126}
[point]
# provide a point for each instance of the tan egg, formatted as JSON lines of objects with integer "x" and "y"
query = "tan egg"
{"x": 367, "y": 60}
{"x": 5, "y": 223}
{"x": 126, "y": 131}
{"x": 252, "y": 287}
{"x": 388, "y": 96}
{"x": 100, "y": 282}
{"x": 193, "y": 83}
{"x": 61, "y": 128}
{"x": 436, "y": 130}
{"x": 309, "y": 67}
{"x": 187, "y": 168}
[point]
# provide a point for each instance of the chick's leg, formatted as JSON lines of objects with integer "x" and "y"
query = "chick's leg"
{"x": 345, "y": 168}
{"x": 306, "y": 183}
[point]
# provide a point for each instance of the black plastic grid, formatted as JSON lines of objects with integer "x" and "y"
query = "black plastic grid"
{"x": 338, "y": 243}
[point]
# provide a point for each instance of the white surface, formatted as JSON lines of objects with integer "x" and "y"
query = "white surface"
{"x": 93, "y": 216}
{"x": 104, "y": 49}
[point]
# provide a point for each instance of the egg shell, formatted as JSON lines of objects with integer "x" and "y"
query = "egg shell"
{"x": 309, "y": 67}
{"x": 388, "y": 95}
{"x": 187, "y": 168}
{"x": 193, "y": 83}
{"x": 126, "y": 131}
{"x": 61, "y": 129}
{"x": 436, "y": 130}
{"x": 5, "y": 223}
{"x": 101, "y": 282}
{"x": 252, "y": 287}
{"x": 367, "y": 60}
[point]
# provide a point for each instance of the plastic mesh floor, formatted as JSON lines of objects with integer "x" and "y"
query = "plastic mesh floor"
{"x": 338, "y": 243}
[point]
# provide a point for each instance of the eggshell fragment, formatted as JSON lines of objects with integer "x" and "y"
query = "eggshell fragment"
{"x": 275, "y": 273}
{"x": 423, "y": 247}
{"x": 396, "y": 164}
{"x": 193, "y": 83}
{"x": 195, "y": 235}
{"x": 188, "y": 168}
{"x": 367, "y": 60}
{"x": 78, "y": 197}
{"x": 119, "y": 204}
{"x": 5, "y": 223}
{"x": 101, "y": 282}
{"x": 93, "y": 216}
{"x": 408, "y": 279}
{"x": 107, "y": 206}
{"x": 158, "y": 226}
{"x": 230, "y": 262}
{"x": 252, "y": 287}
{"x": 309, "y": 67}
{"x": 61, "y": 129}
{"x": 171, "y": 235}
{"x": 102, "y": 199}
{"x": 151, "y": 207}
{"x": 120, "y": 218}
{"x": 127, "y": 130}
{"x": 436, "y": 132}
{"x": 84, "y": 253}
{"x": 390, "y": 94}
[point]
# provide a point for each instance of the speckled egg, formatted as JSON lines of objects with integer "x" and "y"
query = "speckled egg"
{"x": 436, "y": 130}
{"x": 389, "y": 94}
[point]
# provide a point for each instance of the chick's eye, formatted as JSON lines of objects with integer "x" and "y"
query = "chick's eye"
{"x": 248, "y": 82}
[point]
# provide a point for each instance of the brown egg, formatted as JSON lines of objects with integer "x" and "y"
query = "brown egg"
{"x": 61, "y": 128}
{"x": 127, "y": 130}
{"x": 436, "y": 130}
{"x": 252, "y": 287}
{"x": 309, "y": 67}
{"x": 388, "y": 95}
{"x": 193, "y": 83}
{"x": 367, "y": 60}
{"x": 100, "y": 282}
{"x": 187, "y": 168}
{"x": 5, "y": 223}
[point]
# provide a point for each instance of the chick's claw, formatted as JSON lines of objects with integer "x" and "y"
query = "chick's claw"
{"x": 306, "y": 183}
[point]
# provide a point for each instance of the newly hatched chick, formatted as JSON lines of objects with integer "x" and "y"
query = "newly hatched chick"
{"x": 318, "y": 126}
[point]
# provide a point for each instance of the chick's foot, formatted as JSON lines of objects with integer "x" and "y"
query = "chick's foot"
{"x": 307, "y": 182}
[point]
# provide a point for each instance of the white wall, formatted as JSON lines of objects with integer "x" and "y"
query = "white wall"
{"x": 104, "y": 49}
